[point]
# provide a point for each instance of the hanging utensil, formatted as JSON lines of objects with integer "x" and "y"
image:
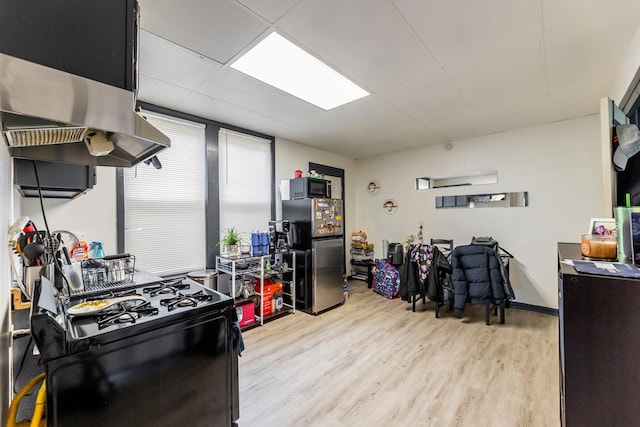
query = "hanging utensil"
{"x": 33, "y": 252}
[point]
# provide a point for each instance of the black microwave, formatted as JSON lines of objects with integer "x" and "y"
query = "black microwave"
{"x": 307, "y": 188}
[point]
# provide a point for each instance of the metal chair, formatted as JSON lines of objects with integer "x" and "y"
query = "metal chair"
{"x": 492, "y": 302}
{"x": 445, "y": 246}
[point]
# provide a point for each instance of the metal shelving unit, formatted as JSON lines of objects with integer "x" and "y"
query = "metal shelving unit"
{"x": 361, "y": 264}
{"x": 255, "y": 267}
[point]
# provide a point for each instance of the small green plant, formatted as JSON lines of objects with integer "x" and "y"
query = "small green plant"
{"x": 231, "y": 237}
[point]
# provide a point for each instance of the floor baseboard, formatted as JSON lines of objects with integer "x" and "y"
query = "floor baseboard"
{"x": 536, "y": 308}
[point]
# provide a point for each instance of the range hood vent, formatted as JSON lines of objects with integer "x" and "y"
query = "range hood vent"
{"x": 49, "y": 114}
{"x": 44, "y": 136}
{"x": 57, "y": 180}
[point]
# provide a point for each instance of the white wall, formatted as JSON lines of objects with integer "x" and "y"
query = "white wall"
{"x": 557, "y": 164}
{"x": 5, "y": 280}
{"x": 554, "y": 163}
{"x": 291, "y": 156}
{"x": 94, "y": 213}
{"x": 627, "y": 69}
{"x": 91, "y": 215}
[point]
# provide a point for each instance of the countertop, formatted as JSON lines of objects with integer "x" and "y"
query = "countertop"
{"x": 573, "y": 251}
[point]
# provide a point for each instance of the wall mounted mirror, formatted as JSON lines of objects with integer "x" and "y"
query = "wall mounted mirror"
{"x": 471, "y": 178}
{"x": 494, "y": 200}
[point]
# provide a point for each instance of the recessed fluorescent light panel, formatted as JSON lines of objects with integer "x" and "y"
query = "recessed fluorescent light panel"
{"x": 280, "y": 63}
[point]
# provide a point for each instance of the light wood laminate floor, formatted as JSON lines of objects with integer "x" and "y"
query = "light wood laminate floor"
{"x": 373, "y": 362}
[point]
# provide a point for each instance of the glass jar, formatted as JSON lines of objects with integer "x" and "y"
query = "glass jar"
{"x": 599, "y": 247}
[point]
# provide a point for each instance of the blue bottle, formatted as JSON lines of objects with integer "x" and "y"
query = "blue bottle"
{"x": 255, "y": 243}
{"x": 96, "y": 248}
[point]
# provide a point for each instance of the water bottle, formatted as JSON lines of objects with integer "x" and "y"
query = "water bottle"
{"x": 255, "y": 243}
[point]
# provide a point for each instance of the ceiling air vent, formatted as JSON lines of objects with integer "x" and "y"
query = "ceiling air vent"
{"x": 44, "y": 136}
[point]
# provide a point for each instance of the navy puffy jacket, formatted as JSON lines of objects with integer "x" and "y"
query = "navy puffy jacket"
{"x": 478, "y": 276}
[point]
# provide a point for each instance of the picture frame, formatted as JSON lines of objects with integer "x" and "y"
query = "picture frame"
{"x": 634, "y": 232}
{"x": 603, "y": 226}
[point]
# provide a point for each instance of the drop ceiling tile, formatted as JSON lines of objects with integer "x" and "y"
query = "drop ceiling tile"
{"x": 586, "y": 45}
{"x": 331, "y": 124}
{"x": 271, "y": 10}
{"x": 237, "y": 88}
{"x": 461, "y": 27}
{"x": 497, "y": 117}
{"x": 166, "y": 61}
{"x": 436, "y": 71}
{"x": 327, "y": 141}
{"x": 481, "y": 51}
{"x": 571, "y": 104}
{"x": 160, "y": 93}
{"x": 368, "y": 41}
{"x": 368, "y": 119}
{"x": 216, "y": 29}
{"x": 311, "y": 133}
{"x": 430, "y": 101}
{"x": 589, "y": 14}
{"x": 517, "y": 70}
{"x": 215, "y": 109}
{"x": 387, "y": 122}
{"x": 576, "y": 61}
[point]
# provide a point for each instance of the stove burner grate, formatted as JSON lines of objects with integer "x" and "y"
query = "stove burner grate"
{"x": 125, "y": 313}
{"x": 111, "y": 294}
{"x": 182, "y": 300}
{"x": 166, "y": 287}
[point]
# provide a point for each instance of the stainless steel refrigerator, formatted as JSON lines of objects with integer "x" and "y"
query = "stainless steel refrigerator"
{"x": 317, "y": 234}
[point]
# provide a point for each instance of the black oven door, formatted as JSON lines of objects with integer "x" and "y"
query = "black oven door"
{"x": 176, "y": 375}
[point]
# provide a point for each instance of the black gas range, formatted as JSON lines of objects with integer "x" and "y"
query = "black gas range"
{"x": 161, "y": 353}
{"x": 141, "y": 307}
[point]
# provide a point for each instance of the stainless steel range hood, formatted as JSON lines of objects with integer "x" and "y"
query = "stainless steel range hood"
{"x": 52, "y": 115}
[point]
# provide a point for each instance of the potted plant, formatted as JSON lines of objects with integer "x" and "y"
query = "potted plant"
{"x": 231, "y": 241}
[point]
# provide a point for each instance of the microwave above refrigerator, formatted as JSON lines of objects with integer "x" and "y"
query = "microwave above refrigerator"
{"x": 309, "y": 188}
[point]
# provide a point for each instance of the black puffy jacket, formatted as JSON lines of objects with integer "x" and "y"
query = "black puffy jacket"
{"x": 478, "y": 276}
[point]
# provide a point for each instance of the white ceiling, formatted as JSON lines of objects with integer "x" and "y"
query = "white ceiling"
{"x": 437, "y": 71}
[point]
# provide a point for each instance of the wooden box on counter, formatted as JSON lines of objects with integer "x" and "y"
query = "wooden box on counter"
{"x": 599, "y": 319}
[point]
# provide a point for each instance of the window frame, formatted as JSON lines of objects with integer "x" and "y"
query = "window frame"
{"x": 212, "y": 205}
{"x": 242, "y": 204}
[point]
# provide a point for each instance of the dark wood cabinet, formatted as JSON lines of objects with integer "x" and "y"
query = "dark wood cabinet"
{"x": 599, "y": 319}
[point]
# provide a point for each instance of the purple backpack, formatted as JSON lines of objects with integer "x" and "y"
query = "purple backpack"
{"x": 386, "y": 279}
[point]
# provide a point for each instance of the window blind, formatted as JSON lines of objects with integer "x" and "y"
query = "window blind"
{"x": 245, "y": 188}
{"x": 164, "y": 209}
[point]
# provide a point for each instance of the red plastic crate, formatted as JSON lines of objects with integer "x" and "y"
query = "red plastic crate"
{"x": 269, "y": 287}
{"x": 246, "y": 312}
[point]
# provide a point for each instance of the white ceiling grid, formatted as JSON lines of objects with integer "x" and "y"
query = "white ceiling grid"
{"x": 437, "y": 71}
